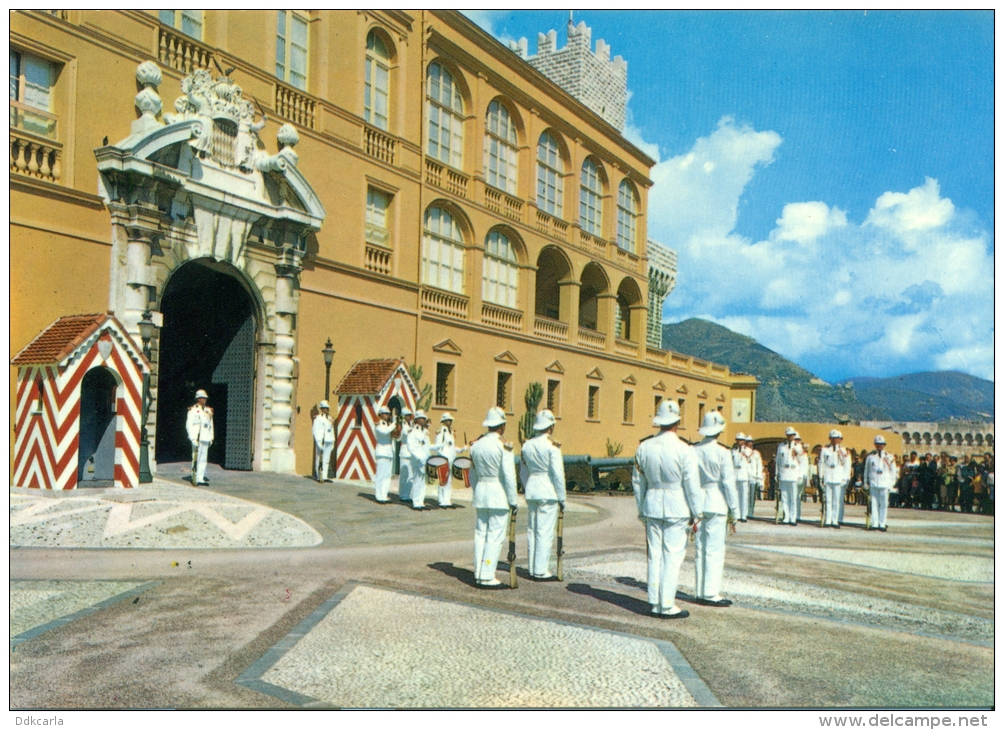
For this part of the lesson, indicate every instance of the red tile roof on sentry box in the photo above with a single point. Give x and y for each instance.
(367, 377)
(59, 339)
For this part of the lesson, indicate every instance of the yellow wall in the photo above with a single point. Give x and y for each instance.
(857, 438)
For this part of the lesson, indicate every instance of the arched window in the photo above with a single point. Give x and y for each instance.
(442, 252)
(550, 175)
(590, 199)
(446, 117)
(500, 148)
(501, 271)
(627, 216)
(375, 108)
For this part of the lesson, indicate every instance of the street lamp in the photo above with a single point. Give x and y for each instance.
(147, 329)
(329, 355)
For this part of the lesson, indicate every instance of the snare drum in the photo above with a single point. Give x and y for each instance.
(461, 469)
(438, 468)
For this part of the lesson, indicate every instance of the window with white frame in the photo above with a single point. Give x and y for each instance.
(500, 148)
(550, 175)
(442, 252)
(446, 117)
(31, 103)
(377, 229)
(291, 31)
(188, 22)
(591, 199)
(501, 271)
(627, 216)
(375, 109)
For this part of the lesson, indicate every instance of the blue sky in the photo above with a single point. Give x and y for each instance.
(826, 178)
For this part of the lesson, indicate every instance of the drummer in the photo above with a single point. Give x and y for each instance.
(446, 444)
(421, 450)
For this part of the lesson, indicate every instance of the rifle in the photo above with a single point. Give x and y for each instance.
(777, 503)
(822, 503)
(561, 551)
(512, 548)
(868, 509)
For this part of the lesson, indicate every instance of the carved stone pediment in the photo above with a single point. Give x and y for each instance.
(595, 374)
(630, 380)
(507, 358)
(659, 385)
(555, 367)
(447, 347)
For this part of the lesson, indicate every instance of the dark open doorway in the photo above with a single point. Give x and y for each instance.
(208, 342)
(96, 463)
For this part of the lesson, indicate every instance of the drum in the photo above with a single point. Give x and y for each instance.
(461, 469)
(438, 468)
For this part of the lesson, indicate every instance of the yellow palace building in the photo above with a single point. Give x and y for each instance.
(253, 183)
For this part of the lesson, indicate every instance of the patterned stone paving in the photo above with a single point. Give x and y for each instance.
(33, 604)
(382, 648)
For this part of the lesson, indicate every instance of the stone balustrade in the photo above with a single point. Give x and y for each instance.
(446, 178)
(503, 317)
(35, 157)
(295, 106)
(625, 347)
(503, 204)
(445, 303)
(550, 329)
(592, 338)
(378, 260)
(552, 226)
(379, 144)
(176, 50)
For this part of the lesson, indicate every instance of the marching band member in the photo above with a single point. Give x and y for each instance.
(789, 474)
(834, 474)
(199, 425)
(542, 471)
(446, 445)
(386, 432)
(880, 476)
(324, 441)
(742, 463)
(666, 486)
(404, 458)
(720, 506)
(420, 450)
(493, 473)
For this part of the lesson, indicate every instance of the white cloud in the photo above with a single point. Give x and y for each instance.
(908, 289)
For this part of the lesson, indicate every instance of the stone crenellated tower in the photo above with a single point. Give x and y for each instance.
(592, 78)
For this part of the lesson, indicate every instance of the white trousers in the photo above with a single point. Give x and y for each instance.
(709, 558)
(404, 479)
(880, 503)
(754, 489)
(789, 501)
(667, 544)
(744, 499)
(445, 494)
(417, 486)
(834, 492)
(381, 484)
(322, 460)
(489, 534)
(541, 519)
(199, 453)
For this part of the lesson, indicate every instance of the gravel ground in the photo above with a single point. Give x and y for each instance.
(948, 567)
(33, 603)
(749, 589)
(159, 515)
(380, 648)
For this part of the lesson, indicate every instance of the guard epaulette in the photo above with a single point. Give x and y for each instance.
(650, 436)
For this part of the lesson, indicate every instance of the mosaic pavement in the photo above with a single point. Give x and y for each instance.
(760, 591)
(157, 515)
(39, 605)
(371, 647)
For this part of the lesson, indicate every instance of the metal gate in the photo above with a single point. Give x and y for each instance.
(235, 373)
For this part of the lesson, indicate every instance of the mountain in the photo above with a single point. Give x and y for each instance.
(788, 392)
(935, 396)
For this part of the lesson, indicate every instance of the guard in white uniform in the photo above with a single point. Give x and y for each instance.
(420, 449)
(834, 474)
(324, 441)
(720, 506)
(742, 463)
(756, 477)
(404, 458)
(881, 474)
(199, 425)
(803, 460)
(789, 475)
(386, 432)
(667, 491)
(446, 445)
(542, 471)
(493, 472)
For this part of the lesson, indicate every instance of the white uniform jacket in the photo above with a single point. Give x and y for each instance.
(666, 481)
(493, 473)
(200, 424)
(834, 465)
(384, 440)
(742, 463)
(718, 481)
(419, 447)
(405, 430)
(803, 461)
(756, 470)
(789, 462)
(542, 470)
(446, 444)
(881, 471)
(324, 431)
